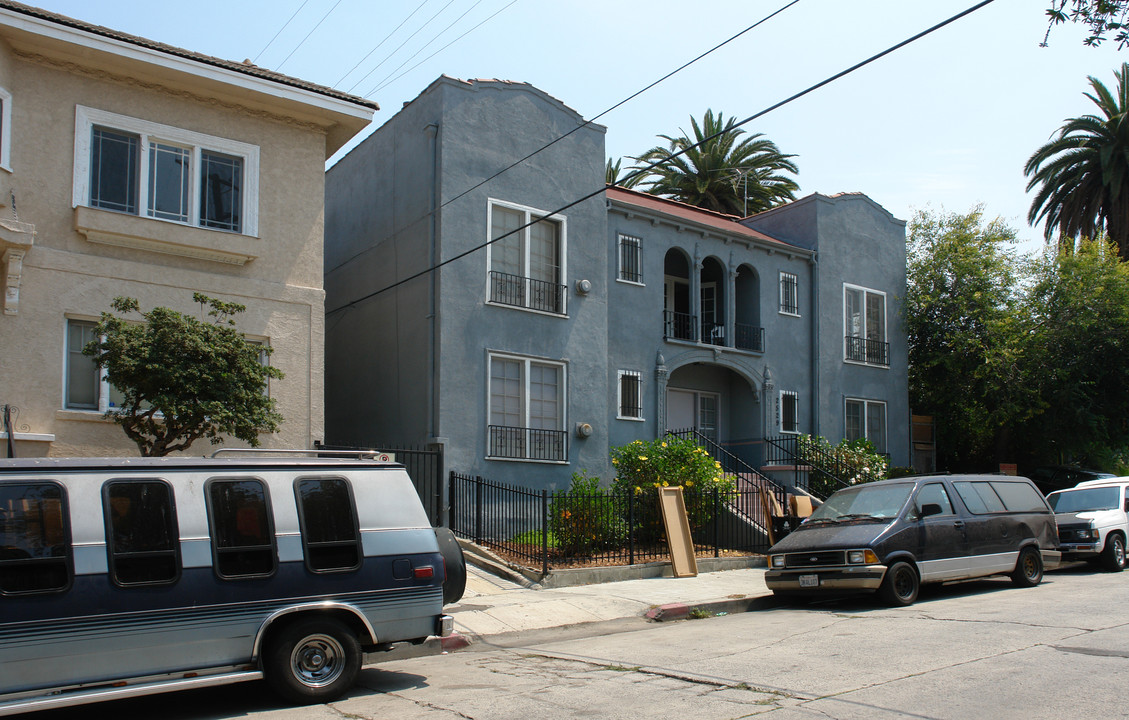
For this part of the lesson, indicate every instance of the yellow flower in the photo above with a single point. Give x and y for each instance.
(689, 483)
(664, 483)
(664, 444)
(643, 458)
(615, 462)
(655, 484)
(716, 464)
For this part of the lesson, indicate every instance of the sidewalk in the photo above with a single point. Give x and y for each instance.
(493, 605)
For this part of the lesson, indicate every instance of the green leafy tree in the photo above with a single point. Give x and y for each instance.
(1076, 338)
(612, 177)
(1101, 17)
(961, 320)
(720, 171)
(182, 378)
(1082, 173)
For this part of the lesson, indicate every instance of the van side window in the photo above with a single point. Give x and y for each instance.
(243, 542)
(934, 493)
(1019, 496)
(979, 497)
(35, 546)
(328, 520)
(141, 532)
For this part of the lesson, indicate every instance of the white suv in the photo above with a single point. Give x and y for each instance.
(1093, 521)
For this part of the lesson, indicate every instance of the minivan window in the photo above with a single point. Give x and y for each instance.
(935, 494)
(35, 549)
(874, 502)
(1019, 496)
(329, 524)
(1085, 499)
(979, 497)
(141, 532)
(243, 543)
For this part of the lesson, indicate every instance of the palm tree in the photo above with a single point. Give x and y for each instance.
(1083, 171)
(611, 175)
(716, 172)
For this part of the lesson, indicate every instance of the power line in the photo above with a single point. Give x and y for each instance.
(370, 52)
(389, 56)
(311, 32)
(588, 122)
(285, 25)
(380, 85)
(670, 157)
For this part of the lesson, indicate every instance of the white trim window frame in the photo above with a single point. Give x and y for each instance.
(528, 276)
(789, 412)
(85, 387)
(864, 320)
(527, 408)
(161, 152)
(860, 416)
(629, 251)
(789, 294)
(5, 130)
(629, 395)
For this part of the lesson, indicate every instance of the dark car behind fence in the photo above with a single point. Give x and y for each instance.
(563, 528)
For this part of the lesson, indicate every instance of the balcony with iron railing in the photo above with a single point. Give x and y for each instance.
(870, 352)
(520, 443)
(683, 326)
(523, 292)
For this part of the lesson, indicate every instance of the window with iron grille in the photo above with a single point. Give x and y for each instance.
(630, 395)
(789, 294)
(630, 259)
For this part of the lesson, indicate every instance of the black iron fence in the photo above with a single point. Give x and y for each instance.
(562, 528)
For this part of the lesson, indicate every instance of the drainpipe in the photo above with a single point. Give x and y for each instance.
(10, 430)
(815, 356)
(432, 131)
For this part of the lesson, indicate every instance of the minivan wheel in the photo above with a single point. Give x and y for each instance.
(314, 660)
(1113, 555)
(1029, 568)
(899, 587)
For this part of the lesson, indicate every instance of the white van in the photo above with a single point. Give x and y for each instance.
(123, 577)
(1093, 521)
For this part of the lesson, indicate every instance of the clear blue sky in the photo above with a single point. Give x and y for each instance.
(945, 123)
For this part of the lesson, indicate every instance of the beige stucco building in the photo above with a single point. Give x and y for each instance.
(128, 167)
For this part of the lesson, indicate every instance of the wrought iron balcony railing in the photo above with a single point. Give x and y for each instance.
(528, 443)
(679, 326)
(524, 292)
(871, 352)
(749, 337)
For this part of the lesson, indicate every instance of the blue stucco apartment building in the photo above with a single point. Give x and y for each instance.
(613, 319)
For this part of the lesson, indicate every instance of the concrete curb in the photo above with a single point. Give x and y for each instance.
(712, 608)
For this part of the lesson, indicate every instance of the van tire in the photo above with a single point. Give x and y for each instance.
(1113, 554)
(454, 582)
(900, 586)
(1028, 568)
(314, 660)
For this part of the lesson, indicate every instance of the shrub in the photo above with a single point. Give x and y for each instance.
(642, 468)
(583, 520)
(853, 461)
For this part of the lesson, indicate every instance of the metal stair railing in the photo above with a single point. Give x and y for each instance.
(732, 464)
(814, 459)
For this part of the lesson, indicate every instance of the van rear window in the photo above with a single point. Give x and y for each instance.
(243, 542)
(996, 496)
(1019, 496)
(329, 524)
(35, 548)
(141, 532)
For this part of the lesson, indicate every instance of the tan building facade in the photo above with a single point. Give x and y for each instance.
(131, 168)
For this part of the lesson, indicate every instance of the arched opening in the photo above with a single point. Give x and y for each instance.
(747, 329)
(678, 319)
(719, 403)
(713, 302)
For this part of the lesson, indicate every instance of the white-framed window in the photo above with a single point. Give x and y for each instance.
(630, 395)
(789, 294)
(789, 412)
(527, 264)
(84, 385)
(866, 419)
(5, 130)
(864, 323)
(630, 259)
(147, 169)
(527, 408)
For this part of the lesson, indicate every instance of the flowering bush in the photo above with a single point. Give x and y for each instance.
(644, 467)
(854, 461)
(582, 521)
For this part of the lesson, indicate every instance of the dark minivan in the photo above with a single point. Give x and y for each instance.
(892, 536)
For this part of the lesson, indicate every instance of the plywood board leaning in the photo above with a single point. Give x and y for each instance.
(678, 538)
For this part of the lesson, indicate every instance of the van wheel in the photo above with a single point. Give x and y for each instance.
(899, 587)
(1113, 555)
(1029, 568)
(314, 660)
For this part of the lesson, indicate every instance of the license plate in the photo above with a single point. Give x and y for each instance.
(809, 581)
